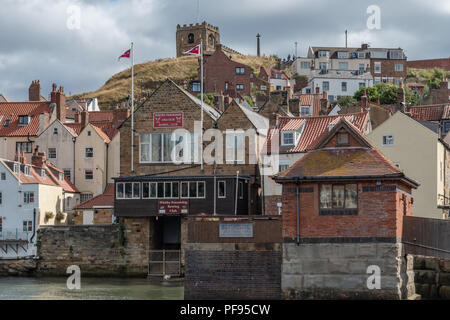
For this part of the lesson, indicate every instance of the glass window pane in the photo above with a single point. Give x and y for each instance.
(120, 190)
(230, 147)
(174, 189)
(145, 152)
(167, 190)
(240, 147)
(351, 196)
(136, 190)
(184, 190)
(168, 146)
(145, 138)
(338, 196)
(153, 190)
(128, 190)
(160, 189)
(325, 196)
(222, 189)
(145, 190)
(192, 189)
(156, 147)
(201, 189)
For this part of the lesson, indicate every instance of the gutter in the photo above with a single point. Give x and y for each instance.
(34, 225)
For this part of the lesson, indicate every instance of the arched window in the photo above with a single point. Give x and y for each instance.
(191, 38)
(211, 40)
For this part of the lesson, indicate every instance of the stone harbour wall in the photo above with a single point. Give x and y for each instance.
(428, 277)
(99, 250)
(339, 270)
(17, 267)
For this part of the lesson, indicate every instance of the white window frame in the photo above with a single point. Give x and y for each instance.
(51, 153)
(342, 54)
(189, 189)
(399, 67)
(283, 137)
(389, 137)
(133, 196)
(27, 195)
(27, 170)
(344, 84)
(224, 189)
(86, 153)
(16, 168)
(375, 65)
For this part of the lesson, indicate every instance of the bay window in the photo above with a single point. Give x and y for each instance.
(161, 147)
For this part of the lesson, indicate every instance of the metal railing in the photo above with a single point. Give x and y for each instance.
(13, 234)
(164, 262)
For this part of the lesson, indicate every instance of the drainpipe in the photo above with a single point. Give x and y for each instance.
(107, 160)
(298, 213)
(215, 192)
(237, 192)
(34, 225)
(74, 168)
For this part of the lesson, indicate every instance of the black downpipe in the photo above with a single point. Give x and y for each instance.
(34, 225)
(107, 160)
(298, 213)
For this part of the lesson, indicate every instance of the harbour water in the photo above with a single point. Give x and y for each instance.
(91, 289)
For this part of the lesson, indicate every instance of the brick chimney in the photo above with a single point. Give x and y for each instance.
(84, 118)
(38, 159)
(59, 98)
(34, 91)
(317, 90)
(221, 102)
(364, 100)
(324, 103)
(77, 117)
(401, 99)
(365, 46)
(22, 158)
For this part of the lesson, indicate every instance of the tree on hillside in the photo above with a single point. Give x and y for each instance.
(372, 94)
(387, 93)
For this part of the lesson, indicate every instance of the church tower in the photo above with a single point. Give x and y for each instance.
(188, 36)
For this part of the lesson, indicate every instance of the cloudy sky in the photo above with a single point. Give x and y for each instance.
(40, 39)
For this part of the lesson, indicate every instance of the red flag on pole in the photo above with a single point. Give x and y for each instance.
(126, 54)
(195, 50)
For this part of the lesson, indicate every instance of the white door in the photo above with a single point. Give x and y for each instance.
(88, 217)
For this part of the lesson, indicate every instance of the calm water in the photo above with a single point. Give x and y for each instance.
(91, 289)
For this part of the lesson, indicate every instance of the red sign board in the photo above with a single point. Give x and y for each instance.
(168, 119)
(173, 207)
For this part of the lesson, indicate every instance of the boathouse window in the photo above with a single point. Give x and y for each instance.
(338, 196)
(235, 151)
(158, 147)
(192, 189)
(128, 190)
(222, 187)
(160, 190)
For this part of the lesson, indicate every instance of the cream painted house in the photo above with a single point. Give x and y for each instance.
(97, 161)
(415, 148)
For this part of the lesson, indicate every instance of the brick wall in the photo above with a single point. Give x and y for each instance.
(227, 273)
(388, 68)
(219, 68)
(379, 213)
(271, 204)
(101, 216)
(430, 64)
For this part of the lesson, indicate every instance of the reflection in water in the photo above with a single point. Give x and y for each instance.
(91, 289)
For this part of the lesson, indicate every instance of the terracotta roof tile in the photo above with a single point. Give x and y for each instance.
(12, 110)
(428, 113)
(103, 200)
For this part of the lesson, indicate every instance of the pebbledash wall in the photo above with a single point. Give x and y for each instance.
(233, 268)
(99, 250)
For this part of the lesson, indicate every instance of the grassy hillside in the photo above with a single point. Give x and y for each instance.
(149, 74)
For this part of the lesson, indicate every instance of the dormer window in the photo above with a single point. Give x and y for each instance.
(27, 170)
(342, 139)
(288, 138)
(24, 120)
(6, 124)
(43, 174)
(323, 53)
(16, 168)
(342, 55)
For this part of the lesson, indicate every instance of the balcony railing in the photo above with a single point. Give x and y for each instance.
(13, 234)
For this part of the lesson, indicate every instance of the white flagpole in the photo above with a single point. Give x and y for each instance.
(201, 84)
(132, 107)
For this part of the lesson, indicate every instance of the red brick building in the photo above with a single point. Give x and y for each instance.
(347, 188)
(220, 71)
(343, 205)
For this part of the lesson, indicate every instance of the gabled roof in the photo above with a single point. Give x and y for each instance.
(69, 129)
(272, 72)
(12, 110)
(3, 98)
(314, 128)
(103, 200)
(65, 183)
(360, 161)
(258, 121)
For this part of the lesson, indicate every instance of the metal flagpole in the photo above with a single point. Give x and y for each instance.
(201, 84)
(132, 107)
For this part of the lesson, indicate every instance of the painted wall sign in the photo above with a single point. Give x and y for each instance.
(236, 230)
(168, 119)
(173, 206)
